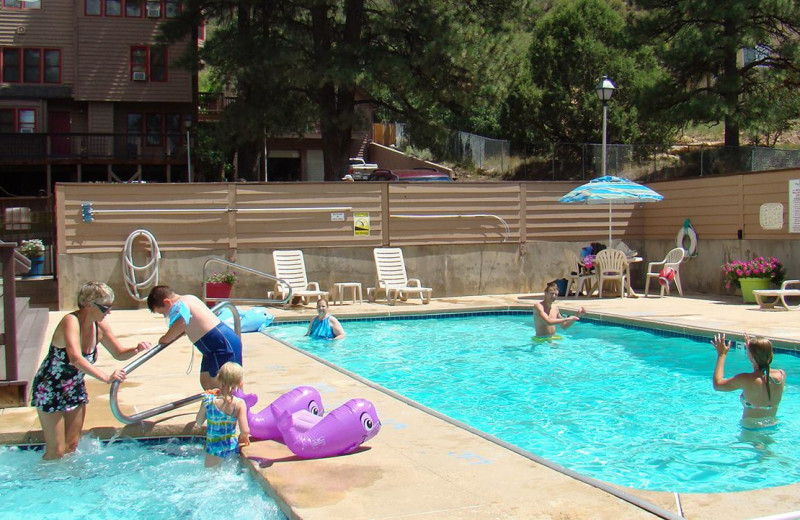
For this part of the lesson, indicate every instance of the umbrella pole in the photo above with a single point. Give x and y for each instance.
(609, 225)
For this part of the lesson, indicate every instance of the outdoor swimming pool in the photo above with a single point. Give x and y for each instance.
(131, 480)
(627, 406)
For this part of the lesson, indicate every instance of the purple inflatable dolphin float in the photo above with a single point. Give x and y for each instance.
(263, 424)
(338, 433)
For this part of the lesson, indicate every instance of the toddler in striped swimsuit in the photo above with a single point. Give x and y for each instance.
(224, 412)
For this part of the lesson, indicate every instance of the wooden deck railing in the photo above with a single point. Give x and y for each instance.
(9, 333)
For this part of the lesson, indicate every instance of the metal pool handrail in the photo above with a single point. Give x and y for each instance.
(141, 360)
(218, 260)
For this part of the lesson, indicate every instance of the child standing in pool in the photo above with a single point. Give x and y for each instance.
(188, 314)
(224, 412)
(762, 389)
(324, 325)
(547, 315)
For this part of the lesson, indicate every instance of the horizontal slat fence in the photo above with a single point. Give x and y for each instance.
(296, 215)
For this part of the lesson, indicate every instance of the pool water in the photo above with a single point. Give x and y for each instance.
(130, 480)
(627, 406)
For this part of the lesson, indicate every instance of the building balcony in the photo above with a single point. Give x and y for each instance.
(72, 148)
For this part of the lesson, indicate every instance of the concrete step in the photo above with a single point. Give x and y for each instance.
(41, 290)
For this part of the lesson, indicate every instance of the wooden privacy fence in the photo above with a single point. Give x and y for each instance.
(212, 216)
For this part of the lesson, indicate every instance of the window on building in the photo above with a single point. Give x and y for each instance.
(27, 120)
(113, 7)
(149, 63)
(32, 65)
(92, 8)
(172, 8)
(134, 134)
(172, 132)
(52, 66)
(139, 63)
(21, 4)
(17, 120)
(201, 31)
(133, 8)
(757, 53)
(7, 121)
(153, 126)
(12, 64)
(153, 8)
(158, 63)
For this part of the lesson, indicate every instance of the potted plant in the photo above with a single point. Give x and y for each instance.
(753, 274)
(218, 286)
(34, 250)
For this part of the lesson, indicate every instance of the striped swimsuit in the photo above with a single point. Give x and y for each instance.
(221, 439)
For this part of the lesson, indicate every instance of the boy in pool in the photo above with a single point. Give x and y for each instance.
(188, 314)
(546, 314)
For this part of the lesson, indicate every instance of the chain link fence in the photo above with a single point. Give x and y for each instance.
(469, 150)
(583, 161)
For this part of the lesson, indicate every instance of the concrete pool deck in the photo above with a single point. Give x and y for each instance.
(419, 466)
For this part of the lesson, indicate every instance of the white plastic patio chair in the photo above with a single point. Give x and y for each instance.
(392, 278)
(577, 274)
(611, 265)
(673, 259)
(290, 267)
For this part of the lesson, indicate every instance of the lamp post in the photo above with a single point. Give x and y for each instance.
(188, 125)
(605, 89)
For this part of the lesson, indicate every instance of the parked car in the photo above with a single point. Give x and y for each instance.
(359, 169)
(416, 174)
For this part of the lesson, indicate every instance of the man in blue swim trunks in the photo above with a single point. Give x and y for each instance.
(188, 314)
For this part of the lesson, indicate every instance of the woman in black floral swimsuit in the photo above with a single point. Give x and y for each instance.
(59, 391)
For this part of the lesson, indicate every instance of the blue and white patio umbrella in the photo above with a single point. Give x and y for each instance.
(611, 190)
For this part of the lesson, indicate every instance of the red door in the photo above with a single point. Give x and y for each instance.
(60, 123)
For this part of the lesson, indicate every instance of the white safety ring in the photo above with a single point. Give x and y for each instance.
(687, 233)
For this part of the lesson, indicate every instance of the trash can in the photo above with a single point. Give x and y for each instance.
(562, 286)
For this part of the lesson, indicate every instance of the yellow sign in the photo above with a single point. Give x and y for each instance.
(361, 224)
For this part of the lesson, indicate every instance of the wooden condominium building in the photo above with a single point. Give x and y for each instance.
(87, 95)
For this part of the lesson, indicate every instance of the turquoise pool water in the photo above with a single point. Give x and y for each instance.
(128, 480)
(626, 406)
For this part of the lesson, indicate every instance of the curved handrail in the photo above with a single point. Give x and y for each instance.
(463, 215)
(147, 356)
(216, 259)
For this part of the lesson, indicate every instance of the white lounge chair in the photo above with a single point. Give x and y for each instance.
(779, 295)
(673, 260)
(290, 266)
(392, 279)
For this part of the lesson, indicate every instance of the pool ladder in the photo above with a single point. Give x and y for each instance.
(144, 358)
(147, 356)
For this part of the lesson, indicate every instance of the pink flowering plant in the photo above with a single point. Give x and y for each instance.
(759, 267)
(228, 277)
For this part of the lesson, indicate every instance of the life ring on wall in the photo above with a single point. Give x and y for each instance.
(687, 238)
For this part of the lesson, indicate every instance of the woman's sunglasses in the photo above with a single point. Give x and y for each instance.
(103, 308)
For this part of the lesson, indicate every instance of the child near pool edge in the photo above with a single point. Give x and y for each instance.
(762, 388)
(224, 412)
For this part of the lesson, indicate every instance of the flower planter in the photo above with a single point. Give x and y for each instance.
(217, 290)
(37, 263)
(751, 284)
